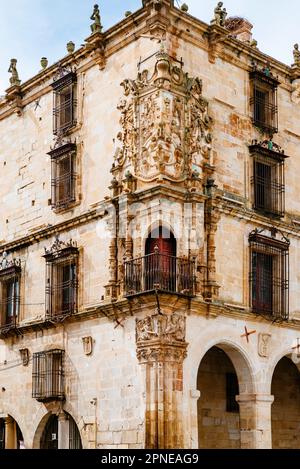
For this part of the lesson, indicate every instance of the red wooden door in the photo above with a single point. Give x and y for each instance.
(160, 265)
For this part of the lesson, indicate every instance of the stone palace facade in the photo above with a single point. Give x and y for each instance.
(150, 240)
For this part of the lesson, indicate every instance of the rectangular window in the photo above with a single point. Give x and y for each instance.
(62, 284)
(268, 185)
(269, 283)
(232, 390)
(48, 375)
(264, 100)
(10, 294)
(65, 103)
(63, 176)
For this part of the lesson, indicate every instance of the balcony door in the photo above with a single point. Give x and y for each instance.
(160, 265)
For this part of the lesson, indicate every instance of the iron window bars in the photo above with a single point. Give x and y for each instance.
(10, 277)
(64, 101)
(263, 100)
(63, 176)
(269, 275)
(61, 280)
(48, 375)
(268, 180)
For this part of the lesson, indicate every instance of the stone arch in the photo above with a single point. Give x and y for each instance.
(239, 357)
(284, 385)
(287, 352)
(43, 422)
(10, 412)
(153, 227)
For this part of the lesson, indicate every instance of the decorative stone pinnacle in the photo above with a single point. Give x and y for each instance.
(96, 27)
(44, 62)
(184, 7)
(14, 79)
(128, 13)
(220, 15)
(70, 47)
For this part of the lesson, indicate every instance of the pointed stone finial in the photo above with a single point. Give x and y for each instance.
(296, 54)
(220, 15)
(44, 62)
(70, 47)
(14, 79)
(96, 27)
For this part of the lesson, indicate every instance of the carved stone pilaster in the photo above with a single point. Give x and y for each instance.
(161, 349)
(111, 290)
(212, 218)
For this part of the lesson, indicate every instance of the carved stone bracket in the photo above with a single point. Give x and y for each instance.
(216, 37)
(14, 99)
(96, 45)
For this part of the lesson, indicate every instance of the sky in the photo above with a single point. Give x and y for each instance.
(31, 29)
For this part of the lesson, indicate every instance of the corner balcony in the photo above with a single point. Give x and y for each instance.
(160, 272)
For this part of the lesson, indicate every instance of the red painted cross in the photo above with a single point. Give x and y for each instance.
(247, 334)
(297, 347)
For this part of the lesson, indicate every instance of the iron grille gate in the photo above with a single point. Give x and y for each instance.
(48, 375)
(269, 276)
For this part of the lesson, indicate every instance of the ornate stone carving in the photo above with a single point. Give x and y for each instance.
(14, 79)
(59, 246)
(7, 263)
(24, 352)
(161, 337)
(96, 27)
(264, 345)
(87, 345)
(220, 15)
(168, 328)
(165, 126)
(296, 54)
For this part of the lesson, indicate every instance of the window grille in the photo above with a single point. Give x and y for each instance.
(65, 102)
(269, 276)
(63, 176)
(263, 100)
(61, 280)
(48, 375)
(10, 277)
(268, 181)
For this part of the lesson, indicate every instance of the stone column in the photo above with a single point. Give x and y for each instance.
(10, 433)
(194, 397)
(63, 431)
(161, 349)
(255, 420)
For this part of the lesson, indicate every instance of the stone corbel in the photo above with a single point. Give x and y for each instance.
(216, 37)
(96, 45)
(14, 99)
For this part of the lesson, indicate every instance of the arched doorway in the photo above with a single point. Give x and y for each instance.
(218, 410)
(286, 405)
(11, 436)
(162, 239)
(50, 435)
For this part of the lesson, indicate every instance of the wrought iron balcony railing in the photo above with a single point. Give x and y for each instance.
(160, 272)
(9, 325)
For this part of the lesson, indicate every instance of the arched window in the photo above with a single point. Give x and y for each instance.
(163, 239)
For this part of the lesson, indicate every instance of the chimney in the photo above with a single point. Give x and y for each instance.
(240, 28)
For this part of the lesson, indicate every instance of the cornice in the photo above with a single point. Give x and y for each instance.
(129, 29)
(51, 230)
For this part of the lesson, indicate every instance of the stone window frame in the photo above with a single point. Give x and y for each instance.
(11, 272)
(48, 375)
(64, 101)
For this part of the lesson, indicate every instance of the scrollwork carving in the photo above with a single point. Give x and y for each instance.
(165, 127)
